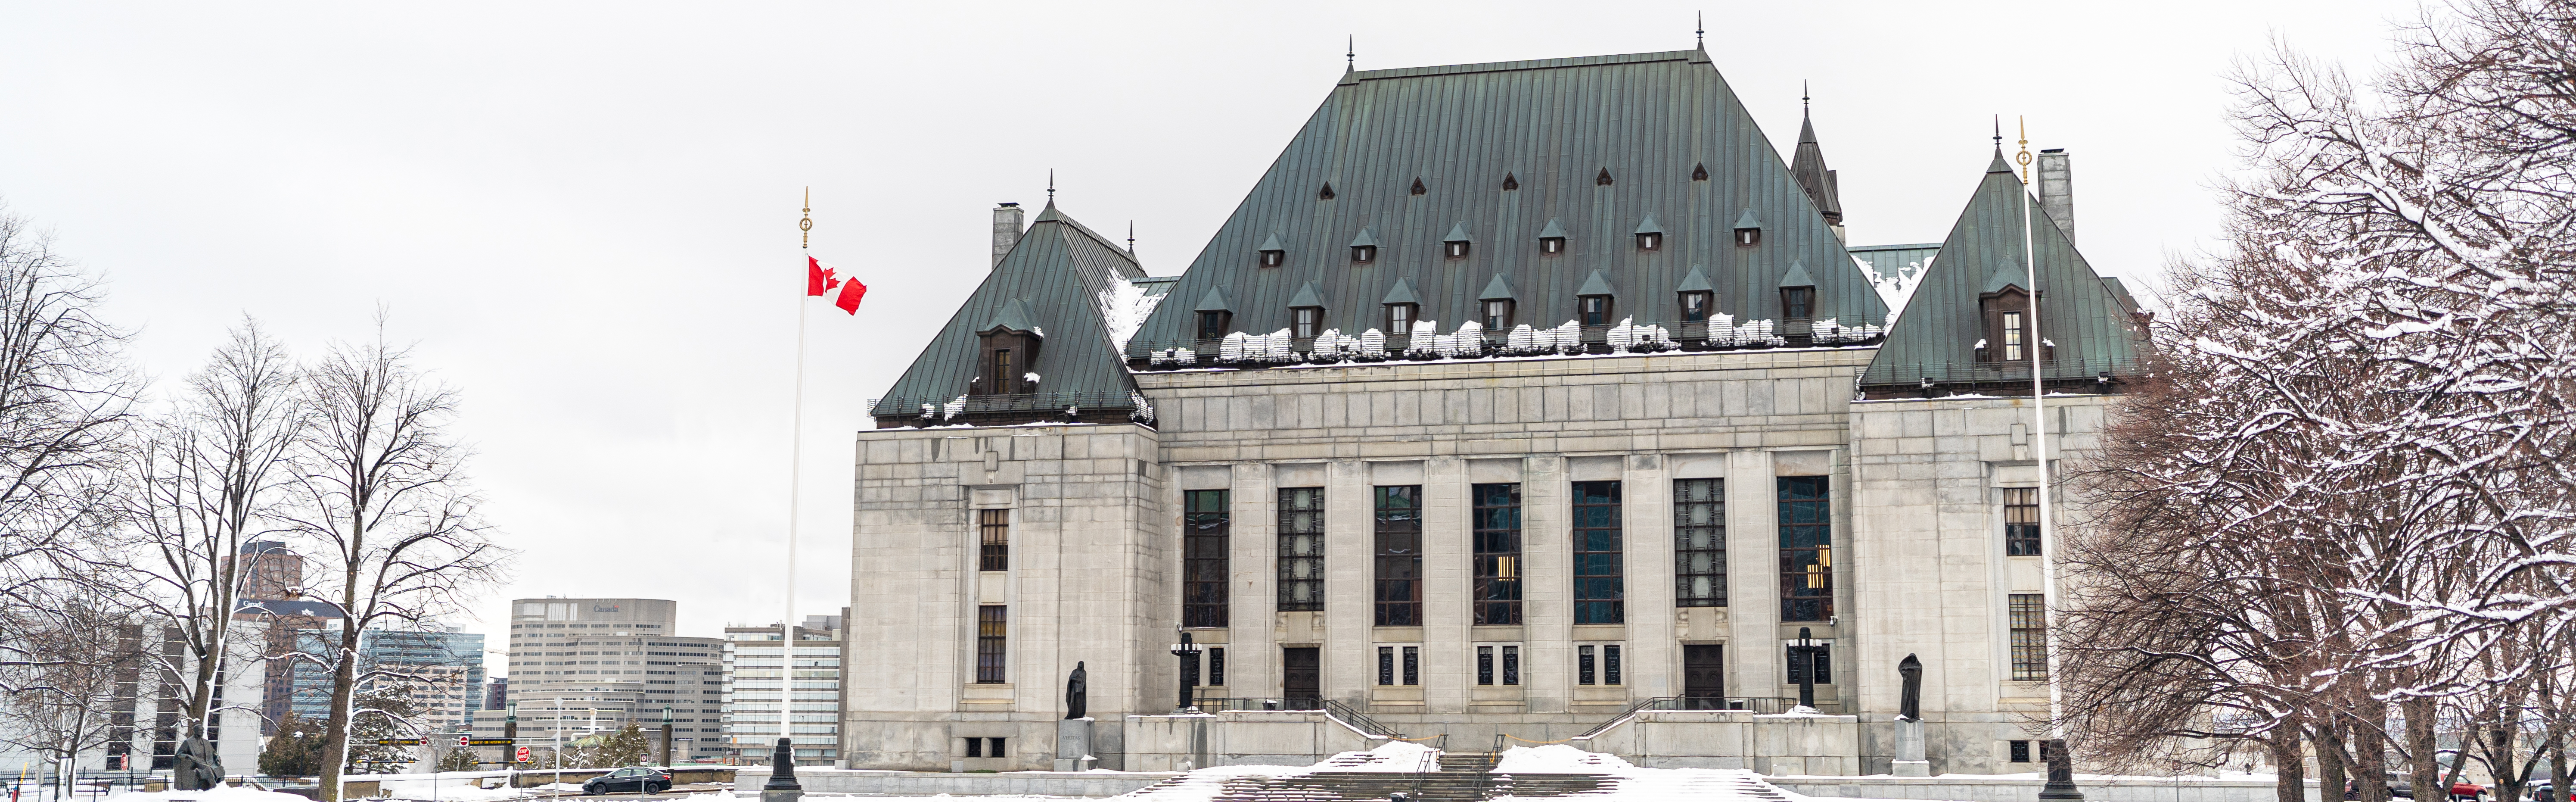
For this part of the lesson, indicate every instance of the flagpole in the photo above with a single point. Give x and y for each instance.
(2057, 788)
(795, 471)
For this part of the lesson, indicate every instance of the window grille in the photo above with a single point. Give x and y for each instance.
(2029, 637)
(1797, 303)
(1386, 665)
(1301, 548)
(1308, 321)
(1584, 670)
(1205, 542)
(1498, 554)
(1806, 549)
(1511, 665)
(1820, 661)
(1498, 315)
(2021, 521)
(1610, 665)
(1699, 542)
(1599, 588)
(1216, 665)
(992, 636)
(1413, 665)
(1399, 556)
(1484, 665)
(995, 525)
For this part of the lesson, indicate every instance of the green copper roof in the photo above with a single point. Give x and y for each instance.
(1272, 244)
(1401, 293)
(1797, 276)
(1748, 220)
(1598, 284)
(2008, 273)
(1366, 238)
(1936, 337)
(1214, 301)
(1552, 231)
(1499, 289)
(1457, 233)
(1695, 281)
(1307, 295)
(1051, 283)
(1648, 119)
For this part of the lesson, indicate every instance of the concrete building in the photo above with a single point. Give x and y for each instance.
(437, 669)
(1514, 399)
(753, 677)
(579, 667)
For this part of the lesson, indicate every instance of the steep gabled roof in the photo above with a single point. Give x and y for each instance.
(1648, 119)
(1936, 338)
(1051, 282)
(1808, 166)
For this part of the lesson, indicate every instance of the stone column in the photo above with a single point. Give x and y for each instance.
(1349, 545)
(1547, 608)
(1753, 656)
(1448, 579)
(1647, 521)
(1252, 651)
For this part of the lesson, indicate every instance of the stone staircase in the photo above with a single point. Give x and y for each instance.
(1463, 777)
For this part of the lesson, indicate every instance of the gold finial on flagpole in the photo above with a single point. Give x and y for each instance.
(806, 226)
(2024, 157)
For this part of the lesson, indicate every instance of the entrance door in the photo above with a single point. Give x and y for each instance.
(1703, 676)
(1302, 681)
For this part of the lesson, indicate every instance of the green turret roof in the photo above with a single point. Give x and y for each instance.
(1051, 283)
(1937, 336)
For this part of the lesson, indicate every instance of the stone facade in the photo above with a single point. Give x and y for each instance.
(1094, 552)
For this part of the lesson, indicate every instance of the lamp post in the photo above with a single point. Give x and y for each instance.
(1189, 658)
(666, 735)
(1802, 661)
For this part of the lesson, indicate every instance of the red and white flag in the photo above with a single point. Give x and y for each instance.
(819, 282)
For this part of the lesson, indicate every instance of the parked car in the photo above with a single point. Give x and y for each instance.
(639, 779)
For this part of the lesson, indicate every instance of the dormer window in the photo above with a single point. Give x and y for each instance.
(1551, 245)
(2013, 333)
(1455, 250)
(1748, 236)
(1212, 324)
(1273, 258)
(1593, 310)
(1363, 254)
(1306, 322)
(1797, 303)
(1498, 315)
(1695, 306)
(1399, 318)
(2007, 314)
(1650, 241)
(1006, 371)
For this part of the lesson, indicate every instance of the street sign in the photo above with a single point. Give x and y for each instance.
(397, 742)
(491, 742)
(464, 740)
(523, 755)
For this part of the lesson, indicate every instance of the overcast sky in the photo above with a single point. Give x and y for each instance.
(584, 214)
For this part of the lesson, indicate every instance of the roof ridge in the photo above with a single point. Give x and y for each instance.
(1530, 64)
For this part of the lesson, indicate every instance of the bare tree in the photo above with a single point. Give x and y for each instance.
(86, 663)
(205, 480)
(382, 490)
(66, 399)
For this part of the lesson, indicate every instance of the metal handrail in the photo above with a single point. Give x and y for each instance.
(1430, 762)
(1348, 716)
(1758, 705)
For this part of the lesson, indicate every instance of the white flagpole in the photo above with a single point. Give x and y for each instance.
(795, 470)
(2039, 446)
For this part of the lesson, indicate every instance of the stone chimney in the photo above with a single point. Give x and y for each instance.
(2057, 190)
(1008, 222)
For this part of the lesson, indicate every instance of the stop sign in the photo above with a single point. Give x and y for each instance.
(523, 754)
(464, 740)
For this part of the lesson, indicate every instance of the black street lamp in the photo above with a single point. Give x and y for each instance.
(1189, 658)
(1802, 662)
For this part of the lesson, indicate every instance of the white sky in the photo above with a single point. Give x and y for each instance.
(584, 214)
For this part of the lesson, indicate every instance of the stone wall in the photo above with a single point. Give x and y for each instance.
(1238, 738)
(1734, 739)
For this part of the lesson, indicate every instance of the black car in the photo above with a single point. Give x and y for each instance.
(640, 779)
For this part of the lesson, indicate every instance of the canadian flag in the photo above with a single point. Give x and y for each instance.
(819, 282)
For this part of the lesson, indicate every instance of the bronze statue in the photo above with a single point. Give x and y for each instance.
(196, 768)
(1910, 706)
(1077, 692)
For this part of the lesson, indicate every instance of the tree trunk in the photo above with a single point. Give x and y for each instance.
(2369, 739)
(2424, 766)
(2291, 784)
(2331, 777)
(335, 744)
(2558, 778)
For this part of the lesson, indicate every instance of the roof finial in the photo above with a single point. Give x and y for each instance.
(1699, 30)
(1051, 177)
(1802, 95)
(1999, 135)
(1131, 238)
(2024, 157)
(1351, 54)
(805, 227)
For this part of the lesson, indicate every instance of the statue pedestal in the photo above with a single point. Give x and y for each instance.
(1909, 751)
(1073, 745)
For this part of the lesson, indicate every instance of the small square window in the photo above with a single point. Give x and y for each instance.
(1456, 250)
(1273, 258)
(1551, 245)
(2020, 751)
(1212, 324)
(1649, 241)
(1498, 315)
(1695, 307)
(1309, 321)
(1399, 319)
(1595, 310)
(1748, 236)
(1797, 302)
(1363, 254)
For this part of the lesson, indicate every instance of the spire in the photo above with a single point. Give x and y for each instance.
(1051, 185)
(1699, 30)
(1131, 238)
(1807, 167)
(1351, 54)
